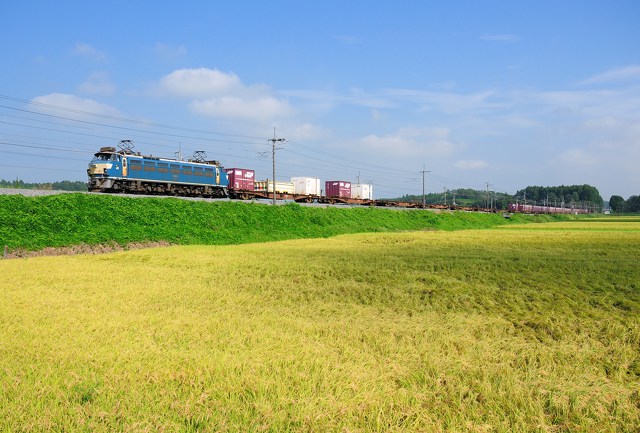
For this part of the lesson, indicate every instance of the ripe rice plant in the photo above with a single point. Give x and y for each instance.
(516, 329)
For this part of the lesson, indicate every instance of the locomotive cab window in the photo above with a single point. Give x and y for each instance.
(105, 157)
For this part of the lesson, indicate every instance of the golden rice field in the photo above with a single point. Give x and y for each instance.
(532, 328)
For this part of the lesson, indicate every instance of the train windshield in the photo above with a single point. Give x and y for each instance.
(104, 157)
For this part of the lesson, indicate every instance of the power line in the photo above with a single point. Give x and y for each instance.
(121, 119)
(385, 177)
(70, 119)
(41, 147)
(36, 168)
(314, 159)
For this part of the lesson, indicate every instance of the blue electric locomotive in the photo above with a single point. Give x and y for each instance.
(124, 171)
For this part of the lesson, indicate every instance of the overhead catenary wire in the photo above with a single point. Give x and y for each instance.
(239, 149)
(361, 163)
(122, 119)
(70, 119)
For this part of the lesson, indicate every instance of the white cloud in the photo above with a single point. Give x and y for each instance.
(200, 83)
(470, 164)
(86, 50)
(264, 108)
(327, 100)
(308, 131)
(567, 136)
(97, 84)
(446, 102)
(411, 142)
(614, 75)
(222, 95)
(73, 106)
(591, 104)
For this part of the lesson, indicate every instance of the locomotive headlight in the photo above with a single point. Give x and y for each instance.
(99, 168)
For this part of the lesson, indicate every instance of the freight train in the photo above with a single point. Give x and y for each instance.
(124, 171)
(534, 209)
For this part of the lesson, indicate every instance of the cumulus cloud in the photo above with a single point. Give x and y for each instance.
(73, 105)
(223, 95)
(200, 83)
(97, 83)
(470, 164)
(86, 50)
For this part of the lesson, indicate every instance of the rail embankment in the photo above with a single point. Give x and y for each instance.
(64, 220)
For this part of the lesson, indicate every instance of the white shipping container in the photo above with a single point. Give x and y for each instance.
(306, 185)
(362, 191)
(281, 187)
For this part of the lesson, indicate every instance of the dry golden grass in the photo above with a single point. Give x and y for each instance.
(503, 330)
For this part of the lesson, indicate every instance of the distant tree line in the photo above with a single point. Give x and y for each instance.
(64, 185)
(462, 197)
(574, 196)
(620, 205)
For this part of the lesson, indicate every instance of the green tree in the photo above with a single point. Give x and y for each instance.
(632, 204)
(616, 203)
(575, 197)
(572, 195)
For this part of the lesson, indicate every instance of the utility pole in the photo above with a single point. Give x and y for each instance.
(273, 141)
(424, 203)
(486, 203)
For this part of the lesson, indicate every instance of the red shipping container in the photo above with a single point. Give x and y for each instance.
(337, 188)
(241, 179)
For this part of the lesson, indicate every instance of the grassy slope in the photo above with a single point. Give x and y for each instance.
(531, 328)
(70, 219)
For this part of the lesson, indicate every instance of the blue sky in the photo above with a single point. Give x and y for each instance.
(510, 93)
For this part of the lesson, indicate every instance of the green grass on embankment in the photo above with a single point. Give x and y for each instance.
(33, 223)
